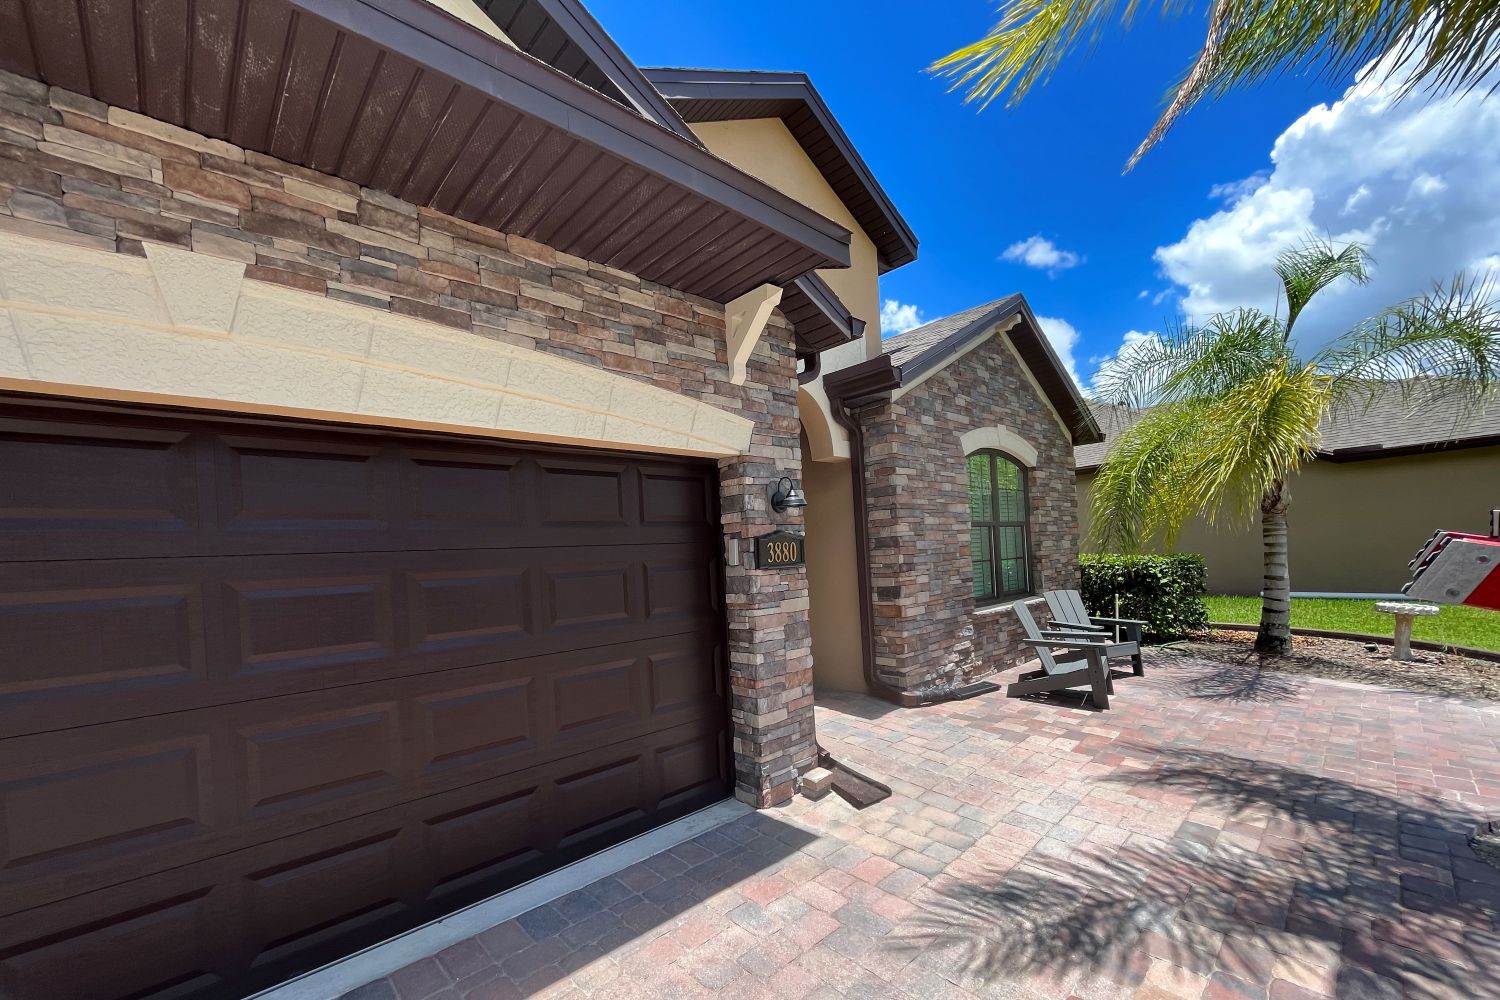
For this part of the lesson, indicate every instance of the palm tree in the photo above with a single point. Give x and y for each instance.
(1229, 411)
(1448, 47)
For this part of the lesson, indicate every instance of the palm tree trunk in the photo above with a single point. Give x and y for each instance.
(1275, 635)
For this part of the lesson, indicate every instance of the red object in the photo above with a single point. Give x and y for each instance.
(1456, 567)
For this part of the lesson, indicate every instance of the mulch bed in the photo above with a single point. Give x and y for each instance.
(1341, 659)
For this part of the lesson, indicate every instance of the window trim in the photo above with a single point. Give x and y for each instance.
(994, 524)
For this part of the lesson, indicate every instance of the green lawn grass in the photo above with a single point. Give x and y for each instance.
(1454, 625)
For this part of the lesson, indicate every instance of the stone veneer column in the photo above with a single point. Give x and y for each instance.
(770, 642)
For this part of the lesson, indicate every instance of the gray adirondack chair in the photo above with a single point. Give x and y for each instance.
(1084, 662)
(1067, 612)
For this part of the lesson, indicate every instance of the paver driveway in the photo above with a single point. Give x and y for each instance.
(1220, 833)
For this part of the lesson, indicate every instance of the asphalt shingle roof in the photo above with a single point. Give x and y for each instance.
(1388, 422)
(905, 348)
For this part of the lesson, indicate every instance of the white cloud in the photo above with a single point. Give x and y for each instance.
(1232, 191)
(1128, 343)
(897, 317)
(1041, 253)
(1063, 336)
(1418, 181)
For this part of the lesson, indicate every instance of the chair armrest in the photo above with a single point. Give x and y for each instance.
(1067, 643)
(1053, 633)
(1077, 626)
(1119, 621)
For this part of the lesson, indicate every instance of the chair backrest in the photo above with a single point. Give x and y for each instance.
(1057, 606)
(1069, 606)
(1029, 628)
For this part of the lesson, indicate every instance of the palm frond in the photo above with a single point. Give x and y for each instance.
(1314, 264)
(1444, 48)
(1442, 345)
(1194, 362)
(1026, 45)
(1211, 456)
(1140, 490)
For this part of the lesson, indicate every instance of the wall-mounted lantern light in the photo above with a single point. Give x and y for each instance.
(786, 495)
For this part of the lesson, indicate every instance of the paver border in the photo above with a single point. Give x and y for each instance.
(380, 960)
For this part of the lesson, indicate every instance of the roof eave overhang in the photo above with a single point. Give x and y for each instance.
(1036, 353)
(895, 243)
(819, 318)
(400, 96)
(868, 382)
(603, 54)
(1370, 453)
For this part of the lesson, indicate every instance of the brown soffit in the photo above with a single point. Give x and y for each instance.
(565, 36)
(818, 317)
(1037, 354)
(400, 96)
(703, 95)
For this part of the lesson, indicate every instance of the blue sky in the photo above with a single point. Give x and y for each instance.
(973, 184)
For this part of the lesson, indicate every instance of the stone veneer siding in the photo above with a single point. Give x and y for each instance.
(927, 634)
(77, 171)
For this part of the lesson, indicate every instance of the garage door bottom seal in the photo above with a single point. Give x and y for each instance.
(382, 959)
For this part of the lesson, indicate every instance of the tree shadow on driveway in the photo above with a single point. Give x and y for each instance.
(1343, 890)
(1239, 681)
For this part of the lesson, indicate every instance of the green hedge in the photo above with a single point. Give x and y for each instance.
(1164, 591)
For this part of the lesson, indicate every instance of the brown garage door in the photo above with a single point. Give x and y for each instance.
(271, 693)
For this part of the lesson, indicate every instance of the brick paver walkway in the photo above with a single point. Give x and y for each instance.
(1218, 834)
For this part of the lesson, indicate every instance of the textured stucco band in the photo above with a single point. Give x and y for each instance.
(185, 326)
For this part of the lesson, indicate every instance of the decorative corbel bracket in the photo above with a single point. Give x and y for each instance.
(744, 322)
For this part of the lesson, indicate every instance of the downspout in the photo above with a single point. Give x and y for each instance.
(848, 389)
(845, 419)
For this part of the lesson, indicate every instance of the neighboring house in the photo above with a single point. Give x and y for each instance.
(392, 393)
(968, 425)
(1386, 477)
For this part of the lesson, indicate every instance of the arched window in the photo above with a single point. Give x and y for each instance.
(1000, 542)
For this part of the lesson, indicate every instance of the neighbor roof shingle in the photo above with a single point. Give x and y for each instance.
(1388, 423)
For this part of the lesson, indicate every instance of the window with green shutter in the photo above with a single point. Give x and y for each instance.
(999, 537)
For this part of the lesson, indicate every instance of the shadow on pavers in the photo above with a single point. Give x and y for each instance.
(1332, 868)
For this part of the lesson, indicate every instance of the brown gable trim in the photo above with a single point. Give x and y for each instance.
(820, 319)
(730, 95)
(1036, 353)
(564, 35)
(400, 96)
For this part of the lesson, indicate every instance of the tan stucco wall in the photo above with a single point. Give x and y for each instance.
(765, 148)
(1353, 525)
(832, 575)
(469, 12)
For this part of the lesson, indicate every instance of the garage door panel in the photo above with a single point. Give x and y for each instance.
(266, 768)
(670, 495)
(583, 492)
(94, 642)
(309, 622)
(96, 807)
(147, 487)
(283, 486)
(248, 918)
(105, 639)
(96, 478)
(159, 945)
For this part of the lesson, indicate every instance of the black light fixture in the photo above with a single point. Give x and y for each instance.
(786, 495)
